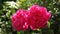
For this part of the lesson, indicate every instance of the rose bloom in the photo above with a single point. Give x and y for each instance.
(37, 17)
(19, 20)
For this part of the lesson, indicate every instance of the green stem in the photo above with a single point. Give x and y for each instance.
(18, 32)
(40, 31)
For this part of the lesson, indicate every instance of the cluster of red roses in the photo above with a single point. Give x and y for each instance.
(36, 17)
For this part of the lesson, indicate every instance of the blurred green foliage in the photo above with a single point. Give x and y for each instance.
(9, 7)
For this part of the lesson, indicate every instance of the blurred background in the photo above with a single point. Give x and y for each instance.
(9, 7)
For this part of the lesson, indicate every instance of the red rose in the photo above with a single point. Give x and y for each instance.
(19, 19)
(37, 17)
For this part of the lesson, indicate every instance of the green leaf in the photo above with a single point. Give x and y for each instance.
(48, 24)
